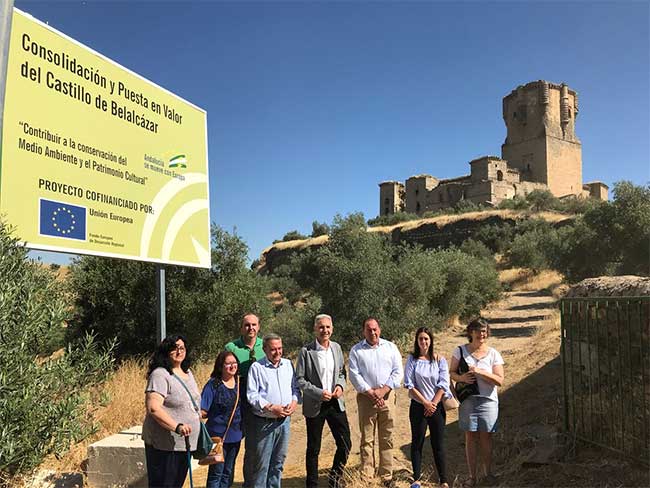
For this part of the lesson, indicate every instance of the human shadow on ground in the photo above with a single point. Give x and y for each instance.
(535, 306)
(511, 320)
(518, 331)
(538, 293)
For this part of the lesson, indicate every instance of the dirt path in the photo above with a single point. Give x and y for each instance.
(516, 321)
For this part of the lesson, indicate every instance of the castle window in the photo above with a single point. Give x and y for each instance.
(417, 191)
(386, 201)
(417, 207)
(499, 175)
(386, 211)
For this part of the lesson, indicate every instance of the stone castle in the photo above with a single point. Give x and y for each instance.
(541, 151)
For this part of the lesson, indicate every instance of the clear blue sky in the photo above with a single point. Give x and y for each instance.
(311, 104)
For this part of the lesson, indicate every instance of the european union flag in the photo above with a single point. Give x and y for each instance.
(62, 220)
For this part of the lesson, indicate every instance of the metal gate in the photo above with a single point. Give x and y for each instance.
(606, 372)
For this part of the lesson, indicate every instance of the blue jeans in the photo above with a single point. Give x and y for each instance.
(270, 438)
(221, 475)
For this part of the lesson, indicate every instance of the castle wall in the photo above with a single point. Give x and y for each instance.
(529, 157)
(417, 189)
(564, 167)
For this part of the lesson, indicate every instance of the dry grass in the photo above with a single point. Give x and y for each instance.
(118, 405)
(524, 279)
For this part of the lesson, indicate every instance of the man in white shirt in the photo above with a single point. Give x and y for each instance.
(375, 370)
(320, 371)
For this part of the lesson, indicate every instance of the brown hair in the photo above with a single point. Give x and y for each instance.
(477, 324)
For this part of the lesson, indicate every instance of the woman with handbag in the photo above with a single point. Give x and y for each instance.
(426, 376)
(477, 363)
(170, 414)
(221, 404)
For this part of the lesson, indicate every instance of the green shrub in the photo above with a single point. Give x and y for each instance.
(609, 238)
(319, 229)
(392, 219)
(292, 235)
(360, 274)
(294, 323)
(476, 249)
(117, 298)
(42, 405)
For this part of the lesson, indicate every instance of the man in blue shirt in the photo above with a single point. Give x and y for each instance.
(375, 370)
(273, 395)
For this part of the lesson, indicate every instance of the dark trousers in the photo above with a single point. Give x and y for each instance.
(436, 424)
(337, 420)
(165, 469)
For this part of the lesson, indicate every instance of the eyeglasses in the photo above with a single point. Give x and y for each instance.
(178, 349)
(230, 365)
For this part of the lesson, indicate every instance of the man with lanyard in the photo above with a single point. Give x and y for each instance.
(375, 370)
(320, 371)
(247, 349)
(273, 395)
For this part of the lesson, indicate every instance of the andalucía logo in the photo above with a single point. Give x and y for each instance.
(59, 219)
(179, 161)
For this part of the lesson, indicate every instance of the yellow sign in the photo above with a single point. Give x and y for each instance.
(98, 160)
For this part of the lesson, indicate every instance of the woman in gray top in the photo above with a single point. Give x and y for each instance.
(171, 415)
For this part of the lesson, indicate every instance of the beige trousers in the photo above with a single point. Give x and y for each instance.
(373, 419)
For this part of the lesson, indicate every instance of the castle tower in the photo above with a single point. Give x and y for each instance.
(541, 141)
(391, 197)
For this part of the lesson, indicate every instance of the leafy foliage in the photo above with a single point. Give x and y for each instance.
(319, 228)
(360, 274)
(392, 219)
(117, 298)
(42, 409)
(292, 235)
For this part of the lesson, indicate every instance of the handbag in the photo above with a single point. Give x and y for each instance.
(464, 390)
(215, 456)
(204, 442)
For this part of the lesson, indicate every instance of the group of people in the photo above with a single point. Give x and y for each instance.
(253, 391)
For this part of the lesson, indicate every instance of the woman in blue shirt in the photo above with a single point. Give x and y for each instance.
(218, 401)
(427, 378)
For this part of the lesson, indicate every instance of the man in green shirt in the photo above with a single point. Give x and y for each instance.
(247, 349)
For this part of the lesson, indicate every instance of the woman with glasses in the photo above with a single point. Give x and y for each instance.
(170, 399)
(478, 414)
(221, 405)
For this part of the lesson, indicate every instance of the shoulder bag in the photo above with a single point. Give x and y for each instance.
(215, 456)
(204, 443)
(464, 390)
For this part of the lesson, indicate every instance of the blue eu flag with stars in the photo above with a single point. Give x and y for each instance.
(62, 220)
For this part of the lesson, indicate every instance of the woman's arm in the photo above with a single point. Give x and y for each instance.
(495, 376)
(154, 405)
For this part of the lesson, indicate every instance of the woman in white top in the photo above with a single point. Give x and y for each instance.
(478, 414)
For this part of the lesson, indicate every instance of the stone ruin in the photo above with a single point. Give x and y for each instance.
(541, 152)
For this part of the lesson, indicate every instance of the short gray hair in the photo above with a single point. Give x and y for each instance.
(270, 337)
(322, 316)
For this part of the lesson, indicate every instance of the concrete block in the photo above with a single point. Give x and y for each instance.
(119, 461)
